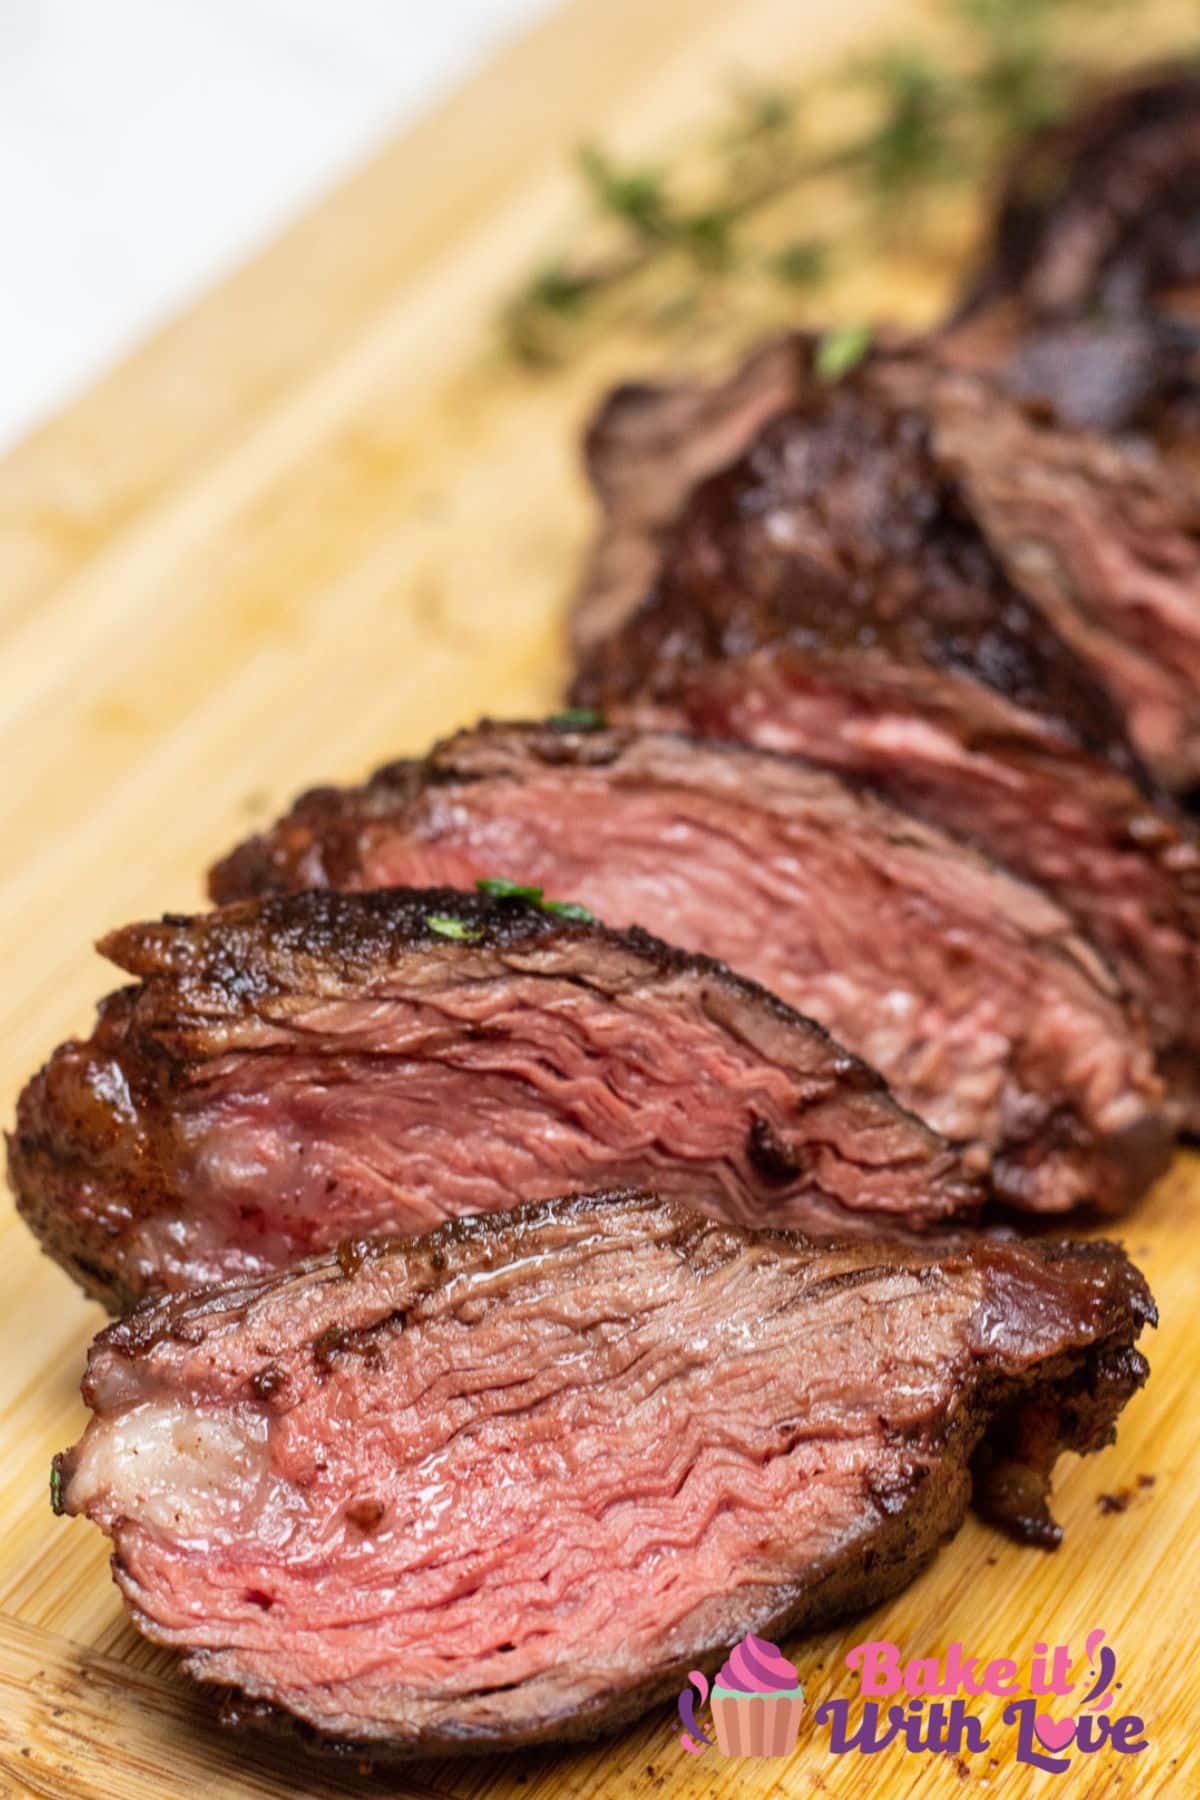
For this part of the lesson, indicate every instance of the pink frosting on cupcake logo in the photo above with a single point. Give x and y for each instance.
(756, 1703)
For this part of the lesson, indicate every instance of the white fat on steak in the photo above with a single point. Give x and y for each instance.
(170, 1467)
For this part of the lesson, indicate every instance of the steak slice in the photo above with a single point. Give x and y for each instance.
(971, 992)
(1134, 377)
(1101, 211)
(510, 1482)
(646, 449)
(1107, 540)
(1089, 293)
(1089, 305)
(831, 595)
(288, 1074)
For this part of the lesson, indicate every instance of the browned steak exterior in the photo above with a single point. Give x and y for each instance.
(832, 596)
(1133, 377)
(291, 1073)
(1101, 211)
(1106, 538)
(1089, 297)
(971, 992)
(1089, 306)
(647, 448)
(840, 528)
(535, 1467)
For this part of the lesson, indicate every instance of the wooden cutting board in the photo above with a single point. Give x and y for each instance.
(316, 521)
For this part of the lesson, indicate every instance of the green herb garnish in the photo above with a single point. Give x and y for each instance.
(452, 928)
(635, 196)
(501, 889)
(842, 350)
(576, 718)
(558, 290)
(914, 141)
(56, 1489)
(569, 909)
(932, 113)
(801, 264)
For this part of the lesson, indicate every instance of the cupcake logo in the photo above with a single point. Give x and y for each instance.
(756, 1702)
(948, 1705)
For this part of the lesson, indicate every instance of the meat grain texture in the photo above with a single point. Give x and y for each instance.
(1105, 536)
(510, 1482)
(286, 1074)
(971, 992)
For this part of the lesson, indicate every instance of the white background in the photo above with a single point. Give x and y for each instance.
(148, 145)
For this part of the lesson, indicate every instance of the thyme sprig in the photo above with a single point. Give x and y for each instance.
(654, 226)
(935, 118)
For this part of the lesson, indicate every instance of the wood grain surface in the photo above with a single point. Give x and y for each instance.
(315, 522)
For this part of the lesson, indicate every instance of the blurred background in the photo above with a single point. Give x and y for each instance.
(149, 145)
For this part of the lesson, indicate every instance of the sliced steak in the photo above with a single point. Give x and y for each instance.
(647, 448)
(1133, 378)
(1104, 537)
(1089, 306)
(510, 1482)
(1089, 294)
(1101, 211)
(291, 1073)
(1107, 540)
(831, 595)
(971, 992)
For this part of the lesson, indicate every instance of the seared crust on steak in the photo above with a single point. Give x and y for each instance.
(1103, 538)
(646, 449)
(1088, 298)
(1098, 213)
